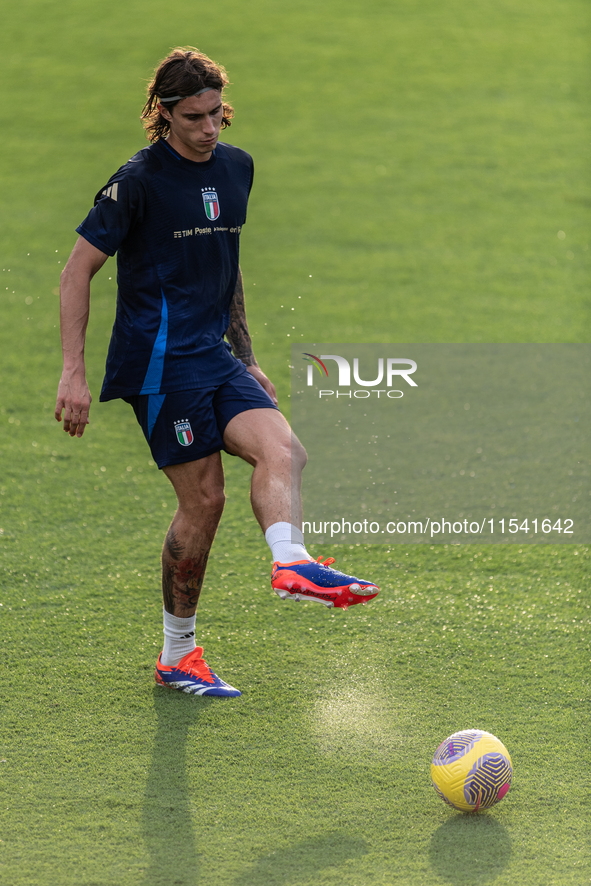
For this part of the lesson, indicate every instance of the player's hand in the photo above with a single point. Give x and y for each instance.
(265, 382)
(73, 399)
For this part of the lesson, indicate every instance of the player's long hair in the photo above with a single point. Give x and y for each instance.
(183, 72)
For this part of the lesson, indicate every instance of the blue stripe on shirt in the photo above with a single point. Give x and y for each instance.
(153, 378)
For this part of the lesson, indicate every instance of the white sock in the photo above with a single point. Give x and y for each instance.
(179, 638)
(286, 543)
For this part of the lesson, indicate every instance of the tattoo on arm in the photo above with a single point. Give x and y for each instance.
(237, 332)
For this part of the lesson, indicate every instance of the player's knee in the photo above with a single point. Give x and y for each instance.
(299, 456)
(207, 502)
(214, 500)
(288, 453)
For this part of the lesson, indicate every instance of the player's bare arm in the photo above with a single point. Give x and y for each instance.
(238, 334)
(240, 341)
(73, 395)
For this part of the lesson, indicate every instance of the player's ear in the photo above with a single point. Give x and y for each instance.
(164, 112)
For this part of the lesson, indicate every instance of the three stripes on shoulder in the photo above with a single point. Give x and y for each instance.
(111, 191)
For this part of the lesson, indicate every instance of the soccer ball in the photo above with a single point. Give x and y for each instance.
(471, 770)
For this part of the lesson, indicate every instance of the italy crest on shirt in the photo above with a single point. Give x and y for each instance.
(211, 203)
(183, 432)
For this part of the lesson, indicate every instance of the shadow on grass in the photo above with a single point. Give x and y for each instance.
(167, 825)
(303, 860)
(470, 849)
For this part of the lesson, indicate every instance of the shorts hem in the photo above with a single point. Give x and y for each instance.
(222, 427)
(182, 460)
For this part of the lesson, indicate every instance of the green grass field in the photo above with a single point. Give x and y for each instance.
(415, 163)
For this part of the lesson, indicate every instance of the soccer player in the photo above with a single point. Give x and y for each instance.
(173, 214)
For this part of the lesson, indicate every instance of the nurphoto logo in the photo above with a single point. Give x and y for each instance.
(388, 369)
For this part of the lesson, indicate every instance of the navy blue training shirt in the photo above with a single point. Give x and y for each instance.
(175, 226)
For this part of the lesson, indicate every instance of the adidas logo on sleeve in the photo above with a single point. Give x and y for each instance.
(111, 191)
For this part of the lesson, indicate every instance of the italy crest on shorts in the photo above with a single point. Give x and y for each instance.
(183, 432)
(211, 203)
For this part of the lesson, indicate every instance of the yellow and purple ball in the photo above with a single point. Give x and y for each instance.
(471, 770)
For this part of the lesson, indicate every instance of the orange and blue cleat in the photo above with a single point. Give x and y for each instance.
(194, 676)
(314, 580)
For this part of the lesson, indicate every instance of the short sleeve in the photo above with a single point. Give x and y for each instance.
(117, 209)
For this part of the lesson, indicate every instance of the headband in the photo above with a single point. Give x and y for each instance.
(178, 98)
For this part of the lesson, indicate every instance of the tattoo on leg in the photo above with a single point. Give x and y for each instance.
(174, 547)
(182, 582)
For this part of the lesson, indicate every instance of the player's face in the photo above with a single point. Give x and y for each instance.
(195, 125)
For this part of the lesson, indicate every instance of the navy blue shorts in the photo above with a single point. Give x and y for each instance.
(188, 425)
